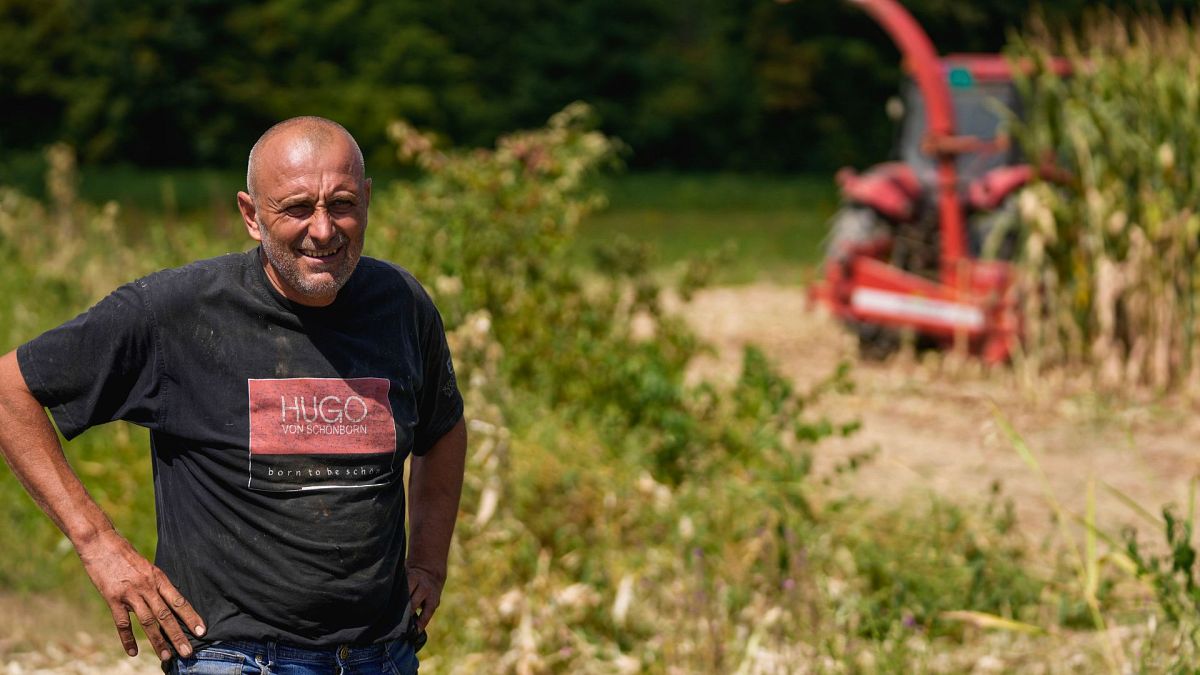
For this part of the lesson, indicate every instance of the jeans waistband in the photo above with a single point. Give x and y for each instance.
(273, 651)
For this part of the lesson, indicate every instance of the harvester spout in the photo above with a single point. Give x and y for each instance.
(922, 64)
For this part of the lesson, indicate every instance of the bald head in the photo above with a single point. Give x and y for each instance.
(306, 204)
(306, 134)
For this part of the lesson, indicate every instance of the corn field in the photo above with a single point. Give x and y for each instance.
(1110, 253)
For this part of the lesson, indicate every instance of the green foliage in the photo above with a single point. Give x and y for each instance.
(1171, 574)
(493, 227)
(1167, 568)
(945, 559)
(61, 257)
(735, 84)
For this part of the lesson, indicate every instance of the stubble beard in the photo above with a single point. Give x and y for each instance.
(286, 264)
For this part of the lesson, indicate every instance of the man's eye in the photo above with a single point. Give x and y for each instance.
(298, 211)
(341, 205)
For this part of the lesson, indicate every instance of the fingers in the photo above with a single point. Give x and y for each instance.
(130, 583)
(425, 599)
(150, 626)
(165, 618)
(425, 616)
(157, 613)
(179, 605)
(419, 593)
(124, 629)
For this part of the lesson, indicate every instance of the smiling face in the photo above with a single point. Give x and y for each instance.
(308, 209)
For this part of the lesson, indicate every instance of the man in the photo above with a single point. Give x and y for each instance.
(283, 389)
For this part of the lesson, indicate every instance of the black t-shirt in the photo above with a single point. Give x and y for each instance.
(279, 435)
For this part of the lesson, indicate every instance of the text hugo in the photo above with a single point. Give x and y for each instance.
(331, 409)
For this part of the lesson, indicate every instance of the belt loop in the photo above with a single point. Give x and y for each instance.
(272, 653)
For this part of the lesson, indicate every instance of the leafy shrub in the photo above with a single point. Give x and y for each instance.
(492, 230)
(1171, 576)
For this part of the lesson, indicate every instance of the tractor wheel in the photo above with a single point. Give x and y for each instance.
(852, 225)
(875, 342)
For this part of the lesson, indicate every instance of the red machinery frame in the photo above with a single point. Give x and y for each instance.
(973, 301)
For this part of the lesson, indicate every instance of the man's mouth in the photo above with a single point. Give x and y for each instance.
(322, 254)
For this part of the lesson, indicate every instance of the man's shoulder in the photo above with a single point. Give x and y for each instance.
(180, 287)
(218, 269)
(378, 268)
(387, 276)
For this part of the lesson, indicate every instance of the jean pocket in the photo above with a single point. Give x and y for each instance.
(401, 657)
(217, 661)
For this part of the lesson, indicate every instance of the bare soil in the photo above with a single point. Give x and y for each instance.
(935, 419)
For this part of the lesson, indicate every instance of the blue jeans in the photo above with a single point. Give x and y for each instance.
(271, 658)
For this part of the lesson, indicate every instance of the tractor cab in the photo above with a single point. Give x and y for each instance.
(983, 97)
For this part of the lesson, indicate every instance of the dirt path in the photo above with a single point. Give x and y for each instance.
(934, 419)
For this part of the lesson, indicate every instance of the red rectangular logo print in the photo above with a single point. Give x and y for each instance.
(321, 416)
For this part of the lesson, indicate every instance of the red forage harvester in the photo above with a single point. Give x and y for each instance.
(923, 243)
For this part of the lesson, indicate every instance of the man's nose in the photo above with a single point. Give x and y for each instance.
(320, 227)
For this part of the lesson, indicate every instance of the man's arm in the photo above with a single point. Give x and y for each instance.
(126, 580)
(434, 488)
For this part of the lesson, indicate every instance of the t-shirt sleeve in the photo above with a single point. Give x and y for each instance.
(440, 405)
(101, 366)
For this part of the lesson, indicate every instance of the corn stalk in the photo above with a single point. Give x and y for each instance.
(1112, 252)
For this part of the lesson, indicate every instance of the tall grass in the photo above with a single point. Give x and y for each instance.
(1141, 593)
(1111, 254)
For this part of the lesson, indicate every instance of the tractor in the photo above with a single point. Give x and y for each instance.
(923, 244)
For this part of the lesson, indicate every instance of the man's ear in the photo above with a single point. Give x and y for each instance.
(246, 206)
(368, 184)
